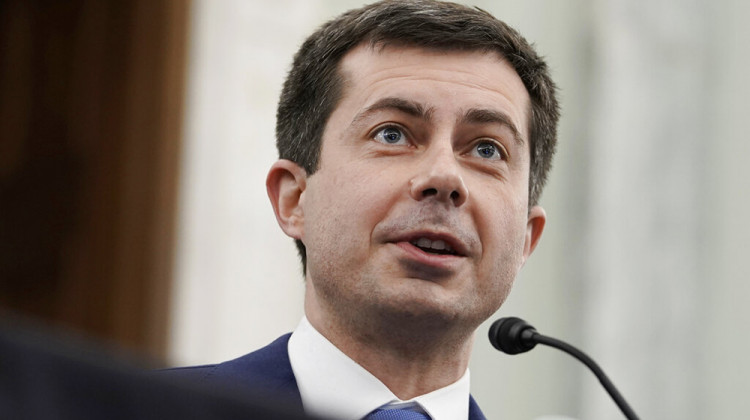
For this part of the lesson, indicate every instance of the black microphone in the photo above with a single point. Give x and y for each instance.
(514, 335)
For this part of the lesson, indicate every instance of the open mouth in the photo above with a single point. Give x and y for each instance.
(430, 246)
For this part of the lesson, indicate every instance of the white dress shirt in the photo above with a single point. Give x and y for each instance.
(333, 385)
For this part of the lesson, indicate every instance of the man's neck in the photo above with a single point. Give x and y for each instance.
(409, 361)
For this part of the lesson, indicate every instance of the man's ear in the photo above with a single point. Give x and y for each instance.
(534, 227)
(285, 185)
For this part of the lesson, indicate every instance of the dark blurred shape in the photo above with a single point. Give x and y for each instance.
(45, 376)
(90, 125)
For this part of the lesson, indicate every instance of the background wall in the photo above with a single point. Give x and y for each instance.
(643, 263)
(91, 97)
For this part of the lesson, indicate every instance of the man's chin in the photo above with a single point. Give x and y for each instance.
(437, 305)
(432, 308)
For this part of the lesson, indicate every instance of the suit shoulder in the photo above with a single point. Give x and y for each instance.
(265, 367)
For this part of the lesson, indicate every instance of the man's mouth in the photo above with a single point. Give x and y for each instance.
(433, 246)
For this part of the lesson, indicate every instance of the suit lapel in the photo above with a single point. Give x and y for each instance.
(474, 412)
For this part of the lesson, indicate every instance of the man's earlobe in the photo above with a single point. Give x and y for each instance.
(285, 185)
(534, 228)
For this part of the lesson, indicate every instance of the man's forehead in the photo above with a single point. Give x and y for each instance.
(364, 66)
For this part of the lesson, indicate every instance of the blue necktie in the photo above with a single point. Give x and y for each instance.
(396, 414)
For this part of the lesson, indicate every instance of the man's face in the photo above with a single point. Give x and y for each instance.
(419, 207)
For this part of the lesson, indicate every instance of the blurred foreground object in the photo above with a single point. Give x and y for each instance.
(44, 376)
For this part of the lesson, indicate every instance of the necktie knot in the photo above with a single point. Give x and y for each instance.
(396, 414)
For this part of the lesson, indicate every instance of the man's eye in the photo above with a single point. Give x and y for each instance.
(488, 150)
(390, 135)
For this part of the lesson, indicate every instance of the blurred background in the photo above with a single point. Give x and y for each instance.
(136, 135)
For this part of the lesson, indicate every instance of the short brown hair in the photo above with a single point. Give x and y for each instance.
(314, 86)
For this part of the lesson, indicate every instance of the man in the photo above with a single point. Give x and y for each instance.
(414, 140)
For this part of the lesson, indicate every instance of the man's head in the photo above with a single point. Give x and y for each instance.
(315, 85)
(410, 167)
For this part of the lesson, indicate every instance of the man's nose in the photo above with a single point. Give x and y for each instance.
(439, 177)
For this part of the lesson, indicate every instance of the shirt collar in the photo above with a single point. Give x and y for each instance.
(332, 384)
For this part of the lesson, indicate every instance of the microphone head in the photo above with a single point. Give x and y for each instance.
(512, 335)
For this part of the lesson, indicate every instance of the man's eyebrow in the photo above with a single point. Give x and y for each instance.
(414, 109)
(489, 116)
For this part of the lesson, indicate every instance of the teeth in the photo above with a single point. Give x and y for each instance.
(438, 245)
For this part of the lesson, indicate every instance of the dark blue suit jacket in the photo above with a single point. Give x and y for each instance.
(266, 371)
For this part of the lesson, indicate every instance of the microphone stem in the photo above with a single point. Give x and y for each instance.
(586, 360)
